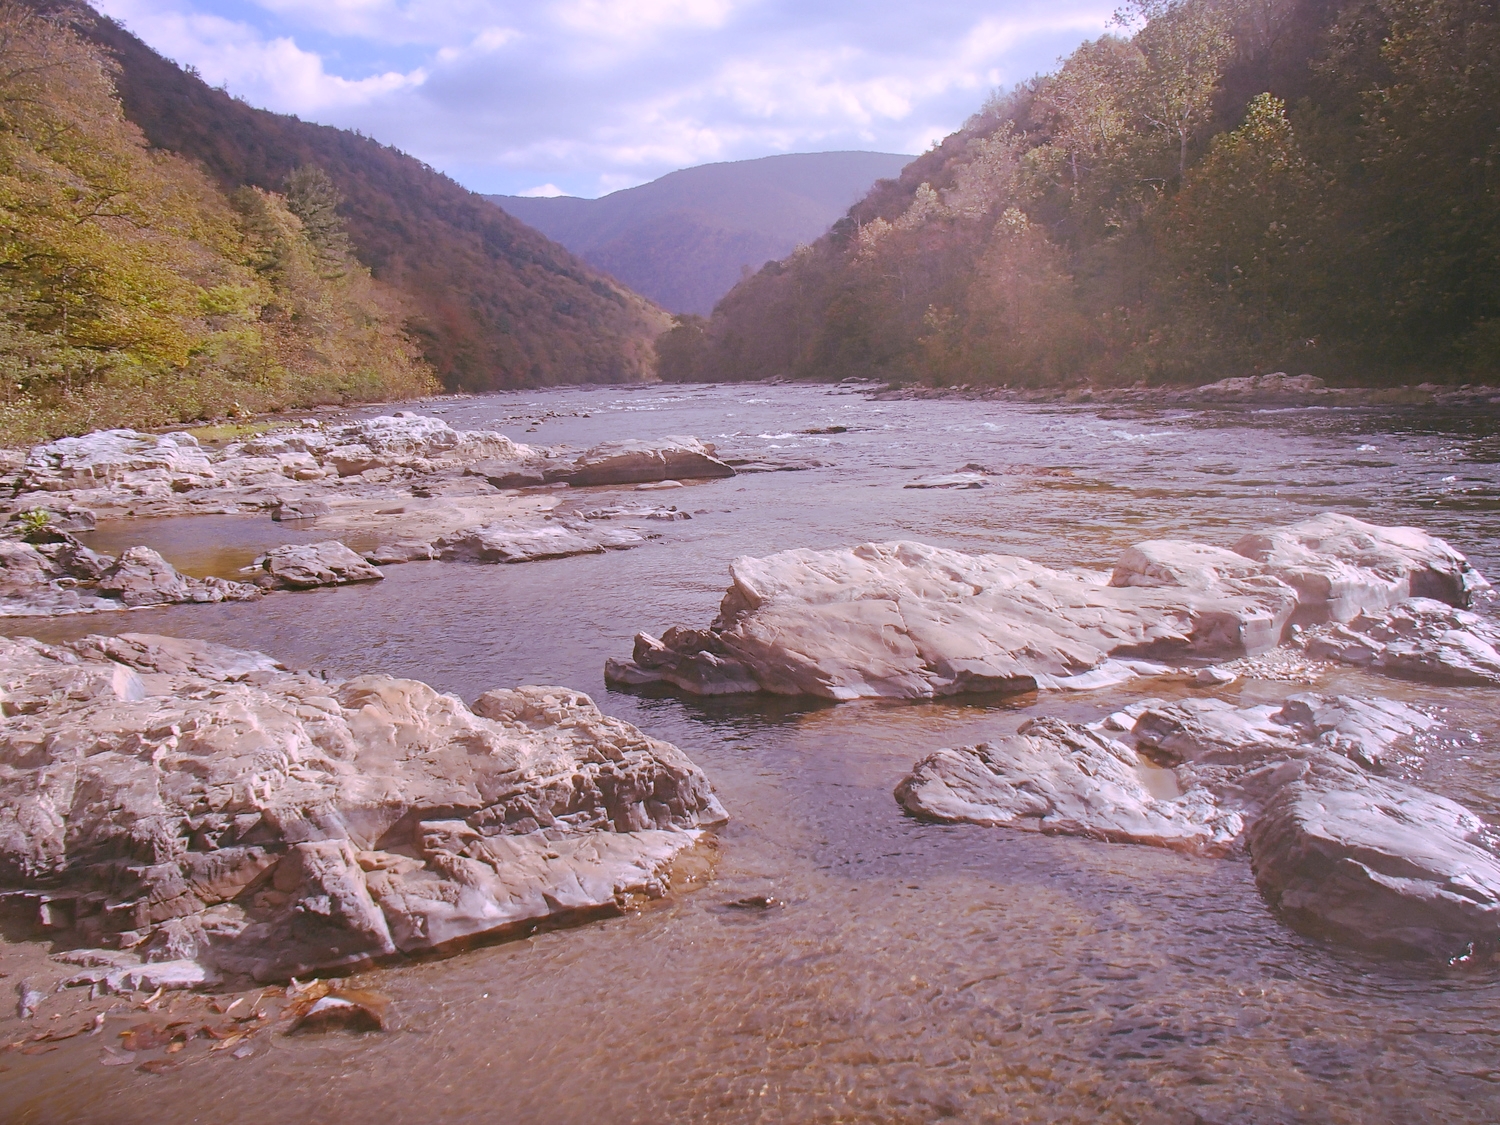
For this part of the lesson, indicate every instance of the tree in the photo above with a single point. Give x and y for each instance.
(1185, 45)
(313, 198)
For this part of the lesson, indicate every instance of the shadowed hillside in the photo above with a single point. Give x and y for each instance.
(685, 239)
(493, 303)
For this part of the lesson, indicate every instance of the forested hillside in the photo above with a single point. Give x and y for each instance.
(684, 239)
(473, 295)
(1221, 188)
(134, 291)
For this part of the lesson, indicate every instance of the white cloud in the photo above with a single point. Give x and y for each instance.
(632, 19)
(584, 96)
(542, 191)
(274, 73)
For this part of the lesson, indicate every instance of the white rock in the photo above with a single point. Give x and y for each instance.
(906, 620)
(1342, 567)
(269, 823)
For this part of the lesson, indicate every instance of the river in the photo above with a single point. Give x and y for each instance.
(915, 971)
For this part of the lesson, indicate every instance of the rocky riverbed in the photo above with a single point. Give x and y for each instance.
(406, 487)
(1338, 850)
(1211, 944)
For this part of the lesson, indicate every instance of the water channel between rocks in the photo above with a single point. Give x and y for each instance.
(915, 971)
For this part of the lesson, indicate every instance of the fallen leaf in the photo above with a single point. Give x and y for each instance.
(354, 1010)
(156, 1066)
(144, 1036)
(243, 1051)
(57, 1034)
(111, 1056)
(227, 1043)
(38, 1048)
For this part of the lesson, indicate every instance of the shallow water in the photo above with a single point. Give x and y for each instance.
(915, 971)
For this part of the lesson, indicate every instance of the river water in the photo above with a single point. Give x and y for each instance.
(915, 971)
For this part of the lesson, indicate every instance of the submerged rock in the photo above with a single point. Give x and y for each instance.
(1063, 779)
(1337, 850)
(950, 480)
(207, 805)
(906, 620)
(1376, 863)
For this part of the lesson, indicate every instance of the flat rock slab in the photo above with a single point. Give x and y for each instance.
(201, 804)
(115, 473)
(906, 620)
(1059, 778)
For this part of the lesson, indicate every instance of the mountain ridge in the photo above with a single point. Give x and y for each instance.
(684, 239)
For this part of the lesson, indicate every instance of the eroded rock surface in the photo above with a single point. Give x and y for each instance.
(1342, 567)
(636, 462)
(1421, 639)
(301, 566)
(906, 620)
(189, 802)
(1061, 778)
(1338, 850)
(1377, 863)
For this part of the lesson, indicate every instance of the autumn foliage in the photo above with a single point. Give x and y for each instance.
(1222, 187)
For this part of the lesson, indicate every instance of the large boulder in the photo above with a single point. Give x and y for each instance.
(64, 577)
(1376, 863)
(192, 802)
(906, 620)
(141, 577)
(109, 457)
(1342, 567)
(636, 462)
(302, 566)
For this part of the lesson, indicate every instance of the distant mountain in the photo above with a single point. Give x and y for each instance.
(495, 303)
(685, 239)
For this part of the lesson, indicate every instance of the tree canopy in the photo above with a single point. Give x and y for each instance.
(134, 291)
(1220, 187)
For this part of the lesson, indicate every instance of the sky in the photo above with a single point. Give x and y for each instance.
(585, 97)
